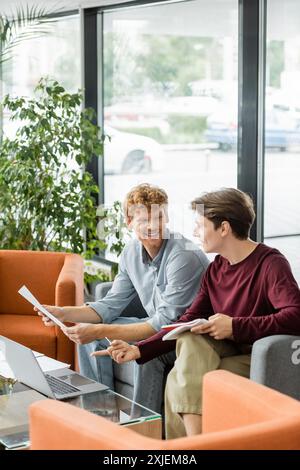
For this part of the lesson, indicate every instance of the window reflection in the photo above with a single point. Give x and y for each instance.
(282, 135)
(56, 55)
(169, 72)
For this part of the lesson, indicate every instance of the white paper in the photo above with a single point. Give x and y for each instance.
(30, 298)
(47, 363)
(123, 417)
(36, 353)
(175, 329)
(5, 370)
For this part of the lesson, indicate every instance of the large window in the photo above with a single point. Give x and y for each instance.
(170, 100)
(56, 54)
(282, 134)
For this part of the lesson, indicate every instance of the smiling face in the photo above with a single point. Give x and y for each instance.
(149, 224)
(146, 213)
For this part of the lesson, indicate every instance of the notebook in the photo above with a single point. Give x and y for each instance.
(175, 329)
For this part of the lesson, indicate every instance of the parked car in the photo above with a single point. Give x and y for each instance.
(281, 130)
(124, 152)
(131, 153)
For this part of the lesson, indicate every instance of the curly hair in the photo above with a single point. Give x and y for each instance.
(145, 195)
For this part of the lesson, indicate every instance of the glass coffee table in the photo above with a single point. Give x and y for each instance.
(14, 403)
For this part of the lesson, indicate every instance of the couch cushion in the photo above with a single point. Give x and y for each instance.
(38, 270)
(124, 389)
(30, 331)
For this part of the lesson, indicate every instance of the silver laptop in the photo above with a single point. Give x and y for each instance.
(59, 384)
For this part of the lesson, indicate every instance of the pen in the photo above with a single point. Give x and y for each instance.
(107, 340)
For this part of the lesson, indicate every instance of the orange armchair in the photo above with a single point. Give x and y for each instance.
(237, 414)
(55, 279)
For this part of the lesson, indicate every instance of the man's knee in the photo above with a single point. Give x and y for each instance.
(187, 336)
(190, 341)
(239, 364)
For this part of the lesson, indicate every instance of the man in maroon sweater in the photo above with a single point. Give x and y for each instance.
(248, 292)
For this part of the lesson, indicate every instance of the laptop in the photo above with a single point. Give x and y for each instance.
(59, 384)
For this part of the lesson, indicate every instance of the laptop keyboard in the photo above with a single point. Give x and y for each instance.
(58, 387)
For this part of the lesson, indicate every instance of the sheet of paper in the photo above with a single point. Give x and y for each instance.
(30, 298)
(172, 326)
(175, 332)
(123, 417)
(47, 363)
(5, 370)
(36, 353)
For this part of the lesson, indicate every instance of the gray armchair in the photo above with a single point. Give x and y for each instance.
(271, 360)
(272, 364)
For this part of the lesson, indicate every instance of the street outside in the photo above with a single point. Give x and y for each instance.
(187, 173)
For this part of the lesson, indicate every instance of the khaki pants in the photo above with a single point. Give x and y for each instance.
(196, 355)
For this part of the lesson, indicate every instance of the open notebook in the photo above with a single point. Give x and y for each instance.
(175, 329)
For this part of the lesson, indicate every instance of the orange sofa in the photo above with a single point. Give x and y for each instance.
(55, 279)
(237, 414)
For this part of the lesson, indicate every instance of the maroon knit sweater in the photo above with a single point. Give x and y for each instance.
(260, 293)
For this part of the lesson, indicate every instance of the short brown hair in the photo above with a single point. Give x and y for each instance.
(232, 205)
(145, 195)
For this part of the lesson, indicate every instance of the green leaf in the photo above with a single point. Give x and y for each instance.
(26, 23)
(47, 201)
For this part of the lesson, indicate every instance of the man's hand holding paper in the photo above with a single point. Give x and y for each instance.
(83, 333)
(42, 310)
(219, 326)
(55, 311)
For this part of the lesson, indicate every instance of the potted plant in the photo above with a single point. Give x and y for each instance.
(113, 232)
(23, 24)
(47, 198)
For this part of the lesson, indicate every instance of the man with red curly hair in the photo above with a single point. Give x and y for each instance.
(164, 270)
